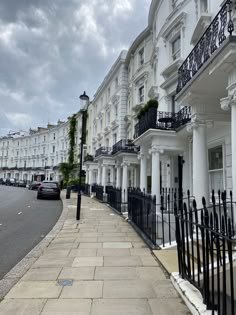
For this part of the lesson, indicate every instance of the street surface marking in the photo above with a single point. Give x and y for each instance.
(19, 212)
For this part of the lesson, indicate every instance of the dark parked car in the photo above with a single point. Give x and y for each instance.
(49, 190)
(21, 183)
(34, 185)
(10, 181)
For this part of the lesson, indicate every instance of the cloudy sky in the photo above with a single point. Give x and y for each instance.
(53, 50)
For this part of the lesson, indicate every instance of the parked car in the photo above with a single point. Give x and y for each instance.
(34, 185)
(49, 190)
(10, 181)
(21, 183)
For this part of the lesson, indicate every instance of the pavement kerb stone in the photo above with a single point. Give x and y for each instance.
(18, 271)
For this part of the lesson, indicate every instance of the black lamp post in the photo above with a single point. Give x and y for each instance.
(85, 100)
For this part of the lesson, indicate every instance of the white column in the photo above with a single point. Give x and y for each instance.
(124, 182)
(233, 143)
(104, 172)
(99, 175)
(87, 175)
(113, 176)
(156, 173)
(231, 102)
(135, 176)
(143, 171)
(200, 163)
(118, 176)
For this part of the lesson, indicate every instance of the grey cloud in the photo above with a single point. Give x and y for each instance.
(51, 50)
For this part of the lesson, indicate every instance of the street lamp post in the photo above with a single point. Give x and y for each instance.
(85, 100)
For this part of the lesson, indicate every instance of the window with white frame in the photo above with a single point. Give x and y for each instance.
(216, 174)
(141, 94)
(173, 4)
(116, 111)
(203, 6)
(114, 138)
(141, 56)
(109, 92)
(175, 48)
(108, 118)
(116, 82)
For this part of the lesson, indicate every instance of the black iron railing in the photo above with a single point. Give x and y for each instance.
(102, 151)
(165, 213)
(164, 121)
(98, 190)
(85, 188)
(126, 146)
(142, 212)
(114, 197)
(210, 41)
(206, 244)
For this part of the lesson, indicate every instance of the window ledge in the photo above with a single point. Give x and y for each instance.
(202, 24)
(173, 67)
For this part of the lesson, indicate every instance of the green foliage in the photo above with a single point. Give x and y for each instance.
(72, 131)
(150, 104)
(66, 168)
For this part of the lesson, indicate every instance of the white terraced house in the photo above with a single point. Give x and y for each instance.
(36, 155)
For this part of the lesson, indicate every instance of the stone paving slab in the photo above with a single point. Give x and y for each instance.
(35, 290)
(122, 261)
(83, 290)
(22, 307)
(38, 274)
(67, 306)
(87, 261)
(128, 289)
(115, 273)
(121, 307)
(79, 273)
(117, 245)
(113, 252)
(170, 306)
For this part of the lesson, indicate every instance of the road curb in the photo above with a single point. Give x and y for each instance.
(17, 272)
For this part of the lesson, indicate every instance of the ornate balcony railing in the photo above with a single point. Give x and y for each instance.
(126, 146)
(102, 151)
(210, 41)
(164, 121)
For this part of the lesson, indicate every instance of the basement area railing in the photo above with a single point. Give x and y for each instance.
(206, 248)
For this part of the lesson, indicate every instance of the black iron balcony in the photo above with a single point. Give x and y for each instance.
(211, 40)
(102, 151)
(163, 120)
(126, 146)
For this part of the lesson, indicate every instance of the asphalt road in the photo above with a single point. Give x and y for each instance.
(24, 221)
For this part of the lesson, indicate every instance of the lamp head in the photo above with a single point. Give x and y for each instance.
(84, 101)
(84, 97)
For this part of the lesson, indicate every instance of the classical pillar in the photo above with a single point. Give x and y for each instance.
(99, 175)
(143, 171)
(104, 172)
(87, 175)
(118, 176)
(124, 182)
(155, 151)
(112, 176)
(200, 161)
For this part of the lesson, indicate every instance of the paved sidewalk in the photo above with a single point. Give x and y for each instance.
(97, 267)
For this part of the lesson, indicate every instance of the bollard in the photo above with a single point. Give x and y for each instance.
(68, 192)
